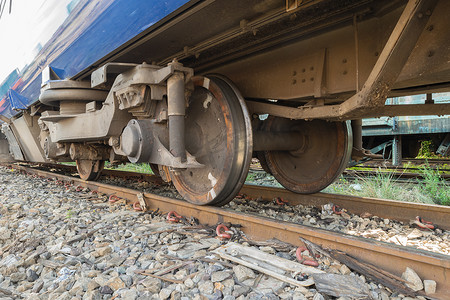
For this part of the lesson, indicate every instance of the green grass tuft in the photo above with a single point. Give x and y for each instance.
(434, 186)
(139, 168)
(383, 185)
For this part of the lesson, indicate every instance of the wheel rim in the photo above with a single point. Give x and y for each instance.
(155, 169)
(90, 169)
(261, 156)
(323, 157)
(219, 136)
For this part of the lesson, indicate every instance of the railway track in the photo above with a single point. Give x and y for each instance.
(401, 211)
(389, 257)
(412, 174)
(410, 169)
(412, 162)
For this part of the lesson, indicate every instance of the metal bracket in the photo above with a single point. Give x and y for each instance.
(142, 74)
(292, 4)
(49, 74)
(162, 156)
(99, 76)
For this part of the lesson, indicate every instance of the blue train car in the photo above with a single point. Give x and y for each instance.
(74, 36)
(181, 84)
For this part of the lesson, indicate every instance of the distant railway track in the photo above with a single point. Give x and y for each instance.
(408, 164)
(389, 257)
(410, 168)
(377, 166)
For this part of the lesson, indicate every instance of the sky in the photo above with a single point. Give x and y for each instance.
(30, 24)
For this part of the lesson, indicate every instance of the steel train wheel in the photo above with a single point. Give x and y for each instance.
(323, 156)
(90, 169)
(155, 169)
(219, 136)
(260, 155)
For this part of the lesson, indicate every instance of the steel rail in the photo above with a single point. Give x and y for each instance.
(383, 208)
(415, 161)
(408, 165)
(389, 257)
(399, 169)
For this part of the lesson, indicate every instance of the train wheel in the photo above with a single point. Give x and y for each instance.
(219, 136)
(261, 156)
(90, 169)
(155, 169)
(325, 152)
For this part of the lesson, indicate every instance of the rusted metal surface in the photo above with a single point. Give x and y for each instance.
(176, 111)
(333, 110)
(391, 209)
(277, 141)
(79, 151)
(322, 157)
(264, 49)
(384, 208)
(370, 99)
(219, 135)
(90, 169)
(318, 55)
(414, 163)
(386, 256)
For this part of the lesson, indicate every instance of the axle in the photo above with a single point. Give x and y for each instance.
(277, 141)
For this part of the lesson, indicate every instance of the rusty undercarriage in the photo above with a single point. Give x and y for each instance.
(195, 113)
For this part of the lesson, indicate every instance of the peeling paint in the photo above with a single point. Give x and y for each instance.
(212, 179)
(212, 194)
(207, 101)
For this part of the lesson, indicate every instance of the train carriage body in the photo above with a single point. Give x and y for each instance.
(181, 84)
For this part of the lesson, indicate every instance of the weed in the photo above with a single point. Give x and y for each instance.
(139, 168)
(426, 150)
(383, 185)
(434, 186)
(250, 177)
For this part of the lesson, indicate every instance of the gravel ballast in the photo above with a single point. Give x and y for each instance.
(60, 242)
